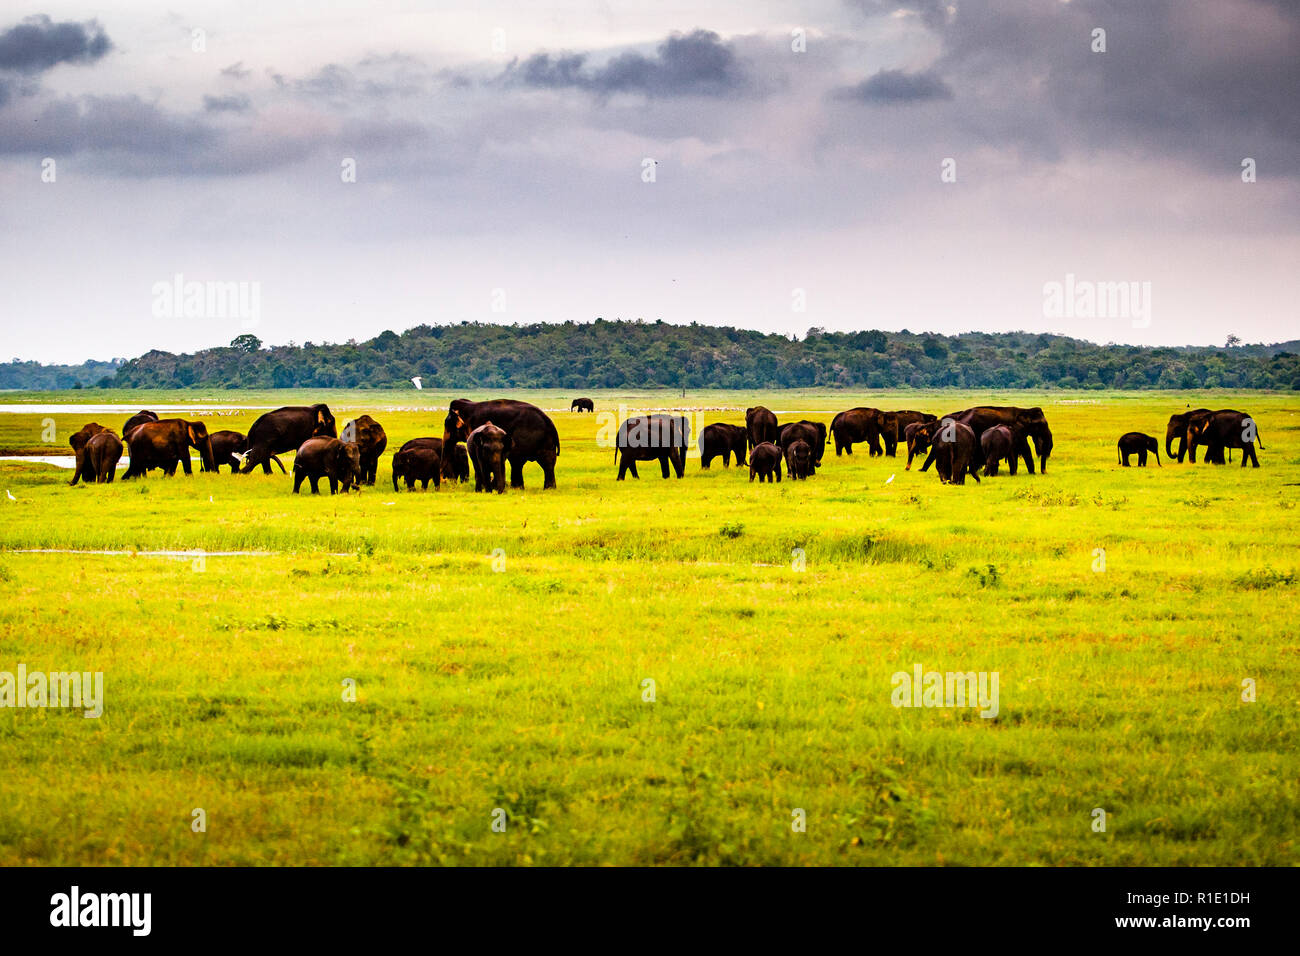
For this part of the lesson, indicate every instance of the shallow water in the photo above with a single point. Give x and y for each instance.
(126, 410)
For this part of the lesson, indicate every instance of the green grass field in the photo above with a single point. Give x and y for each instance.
(500, 647)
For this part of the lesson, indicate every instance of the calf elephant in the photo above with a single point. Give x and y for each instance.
(459, 459)
(953, 452)
(918, 435)
(532, 433)
(1225, 429)
(665, 438)
(317, 458)
(103, 452)
(139, 418)
(894, 424)
(724, 441)
(371, 441)
(286, 429)
(998, 443)
(228, 447)
(1136, 443)
(420, 459)
(582, 405)
(488, 448)
(814, 433)
(85, 469)
(166, 443)
(765, 462)
(1178, 427)
(798, 460)
(858, 425)
(760, 426)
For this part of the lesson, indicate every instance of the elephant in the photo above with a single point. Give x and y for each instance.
(228, 447)
(85, 468)
(459, 459)
(582, 405)
(325, 457)
(918, 436)
(371, 440)
(725, 441)
(532, 433)
(164, 443)
(814, 433)
(488, 448)
(1225, 429)
(1177, 428)
(1137, 443)
(799, 460)
(103, 452)
(286, 429)
(953, 452)
(420, 459)
(998, 443)
(760, 426)
(1030, 422)
(893, 425)
(650, 437)
(765, 462)
(137, 419)
(858, 425)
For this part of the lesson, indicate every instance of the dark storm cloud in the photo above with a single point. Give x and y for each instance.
(38, 43)
(897, 86)
(694, 64)
(234, 103)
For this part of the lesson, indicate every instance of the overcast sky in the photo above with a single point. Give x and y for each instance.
(501, 152)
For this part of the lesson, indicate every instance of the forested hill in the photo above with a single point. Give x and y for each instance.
(645, 354)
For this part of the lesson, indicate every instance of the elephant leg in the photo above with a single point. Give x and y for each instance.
(298, 476)
(516, 472)
(680, 462)
(185, 462)
(706, 460)
(547, 460)
(315, 484)
(334, 485)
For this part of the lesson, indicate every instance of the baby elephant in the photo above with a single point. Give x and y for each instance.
(419, 460)
(765, 462)
(488, 448)
(339, 461)
(102, 454)
(798, 460)
(1136, 442)
(952, 450)
(998, 443)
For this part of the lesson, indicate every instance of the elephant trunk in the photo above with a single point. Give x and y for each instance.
(206, 456)
(1169, 443)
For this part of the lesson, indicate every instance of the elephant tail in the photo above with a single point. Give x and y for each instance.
(276, 459)
(1119, 452)
(555, 437)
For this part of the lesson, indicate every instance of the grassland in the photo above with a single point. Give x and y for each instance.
(516, 681)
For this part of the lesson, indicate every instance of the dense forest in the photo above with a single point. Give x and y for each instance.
(33, 376)
(605, 354)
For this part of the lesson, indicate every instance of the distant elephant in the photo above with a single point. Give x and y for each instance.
(952, 450)
(371, 440)
(649, 437)
(286, 429)
(760, 426)
(1226, 429)
(227, 447)
(1025, 423)
(765, 462)
(166, 443)
(532, 433)
(893, 425)
(488, 448)
(918, 436)
(798, 460)
(814, 433)
(103, 452)
(85, 469)
(317, 458)
(420, 459)
(858, 425)
(582, 405)
(1177, 428)
(1137, 443)
(137, 419)
(725, 441)
(998, 443)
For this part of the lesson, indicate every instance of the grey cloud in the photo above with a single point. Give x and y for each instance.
(38, 43)
(897, 86)
(236, 71)
(234, 103)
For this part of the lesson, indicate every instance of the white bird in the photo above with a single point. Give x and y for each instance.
(889, 479)
(241, 455)
(416, 382)
(10, 494)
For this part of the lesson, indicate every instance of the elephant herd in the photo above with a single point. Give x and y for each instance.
(1219, 431)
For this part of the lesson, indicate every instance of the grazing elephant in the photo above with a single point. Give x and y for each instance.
(420, 459)
(1178, 428)
(1225, 429)
(488, 448)
(228, 447)
(582, 405)
(1024, 422)
(953, 452)
(103, 452)
(760, 426)
(371, 440)
(137, 419)
(894, 424)
(814, 433)
(799, 460)
(317, 458)
(1137, 443)
(286, 429)
(999, 443)
(532, 433)
(651, 437)
(918, 436)
(85, 468)
(765, 462)
(724, 441)
(858, 425)
(166, 443)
